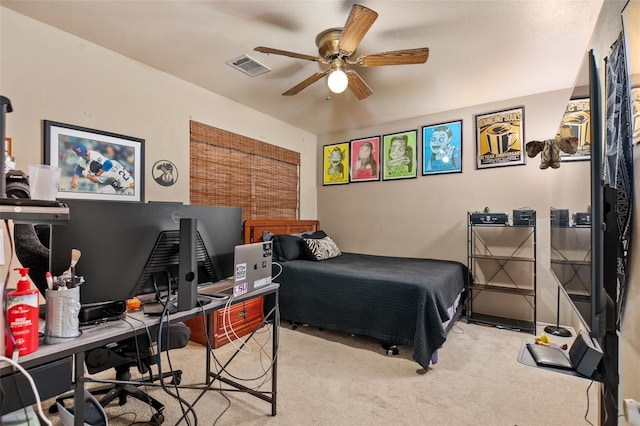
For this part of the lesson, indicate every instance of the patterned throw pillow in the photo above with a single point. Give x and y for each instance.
(320, 249)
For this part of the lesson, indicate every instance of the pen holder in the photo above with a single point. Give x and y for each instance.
(61, 318)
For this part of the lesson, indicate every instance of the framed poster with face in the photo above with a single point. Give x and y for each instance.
(500, 138)
(399, 155)
(335, 164)
(365, 159)
(442, 148)
(576, 121)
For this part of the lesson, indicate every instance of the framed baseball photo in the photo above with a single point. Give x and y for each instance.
(95, 164)
(365, 159)
(442, 148)
(335, 164)
(399, 155)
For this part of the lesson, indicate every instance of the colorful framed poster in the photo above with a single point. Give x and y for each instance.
(576, 122)
(442, 148)
(400, 155)
(335, 164)
(365, 159)
(500, 138)
(95, 165)
(635, 114)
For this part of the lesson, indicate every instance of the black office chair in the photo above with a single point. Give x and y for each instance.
(134, 352)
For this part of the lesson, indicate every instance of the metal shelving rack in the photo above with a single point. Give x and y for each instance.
(502, 262)
(570, 261)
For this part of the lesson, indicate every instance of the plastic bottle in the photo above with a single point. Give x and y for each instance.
(23, 312)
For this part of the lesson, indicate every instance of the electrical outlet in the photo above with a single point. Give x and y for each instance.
(632, 411)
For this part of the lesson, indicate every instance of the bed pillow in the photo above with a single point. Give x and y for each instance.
(317, 235)
(287, 247)
(320, 249)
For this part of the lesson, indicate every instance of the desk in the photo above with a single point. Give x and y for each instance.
(97, 336)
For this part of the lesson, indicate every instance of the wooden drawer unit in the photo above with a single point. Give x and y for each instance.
(239, 320)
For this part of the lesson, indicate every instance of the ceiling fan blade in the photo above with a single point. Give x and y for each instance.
(358, 23)
(269, 50)
(397, 57)
(304, 84)
(358, 86)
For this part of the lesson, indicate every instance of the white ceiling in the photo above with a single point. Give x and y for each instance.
(480, 51)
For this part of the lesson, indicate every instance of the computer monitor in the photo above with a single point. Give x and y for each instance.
(117, 240)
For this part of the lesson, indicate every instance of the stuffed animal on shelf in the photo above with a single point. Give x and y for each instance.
(550, 149)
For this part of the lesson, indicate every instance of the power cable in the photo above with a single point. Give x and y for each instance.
(190, 408)
(34, 389)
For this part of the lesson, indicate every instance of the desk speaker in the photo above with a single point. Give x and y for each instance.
(585, 354)
(188, 266)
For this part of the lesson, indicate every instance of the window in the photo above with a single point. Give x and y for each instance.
(227, 169)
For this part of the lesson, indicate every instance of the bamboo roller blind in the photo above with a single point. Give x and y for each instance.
(227, 169)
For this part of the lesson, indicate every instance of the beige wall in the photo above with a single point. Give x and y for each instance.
(426, 216)
(52, 75)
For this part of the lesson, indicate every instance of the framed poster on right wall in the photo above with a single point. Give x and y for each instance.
(442, 148)
(576, 121)
(399, 153)
(335, 164)
(635, 112)
(500, 138)
(365, 159)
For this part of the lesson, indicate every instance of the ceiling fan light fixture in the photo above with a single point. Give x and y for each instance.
(337, 81)
(336, 46)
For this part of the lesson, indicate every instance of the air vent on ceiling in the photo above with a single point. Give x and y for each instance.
(248, 65)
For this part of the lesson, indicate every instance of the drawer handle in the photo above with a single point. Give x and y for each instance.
(242, 313)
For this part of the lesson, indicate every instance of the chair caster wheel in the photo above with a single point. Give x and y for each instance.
(157, 419)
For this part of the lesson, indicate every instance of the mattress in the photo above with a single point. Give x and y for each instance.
(402, 301)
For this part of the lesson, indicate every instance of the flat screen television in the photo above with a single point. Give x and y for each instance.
(598, 227)
(582, 279)
(122, 242)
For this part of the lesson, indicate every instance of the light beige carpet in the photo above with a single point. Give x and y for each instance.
(327, 378)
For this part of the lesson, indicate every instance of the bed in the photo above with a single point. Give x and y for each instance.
(398, 301)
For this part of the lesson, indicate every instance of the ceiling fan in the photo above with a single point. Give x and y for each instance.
(336, 45)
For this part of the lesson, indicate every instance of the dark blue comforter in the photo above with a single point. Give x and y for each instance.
(395, 300)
